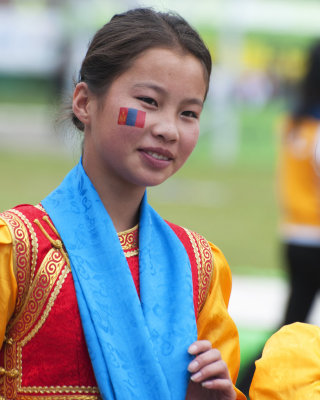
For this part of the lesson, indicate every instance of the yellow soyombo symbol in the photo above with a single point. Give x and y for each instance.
(122, 117)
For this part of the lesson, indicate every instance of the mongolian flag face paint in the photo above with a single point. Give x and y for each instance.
(131, 117)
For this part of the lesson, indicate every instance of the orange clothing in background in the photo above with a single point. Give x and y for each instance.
(299, 180)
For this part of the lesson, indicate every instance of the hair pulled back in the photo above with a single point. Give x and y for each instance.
(118, 43)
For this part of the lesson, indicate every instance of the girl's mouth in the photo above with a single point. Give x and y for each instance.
(158, 156)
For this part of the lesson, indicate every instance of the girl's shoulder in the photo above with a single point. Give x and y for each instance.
(201, 256)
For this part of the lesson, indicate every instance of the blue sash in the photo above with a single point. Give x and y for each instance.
(138, 349)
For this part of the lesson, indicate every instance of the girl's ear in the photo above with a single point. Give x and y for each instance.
(80, 102)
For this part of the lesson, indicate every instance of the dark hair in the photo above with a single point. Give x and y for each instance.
(309, 99)
(119, 42)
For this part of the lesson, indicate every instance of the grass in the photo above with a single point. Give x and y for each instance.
(233, 207)
(29, 177)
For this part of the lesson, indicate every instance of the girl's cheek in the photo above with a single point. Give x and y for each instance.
(193, 137)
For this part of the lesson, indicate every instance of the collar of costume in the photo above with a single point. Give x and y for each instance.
(138, 347)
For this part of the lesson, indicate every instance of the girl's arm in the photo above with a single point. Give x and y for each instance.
(217, 329)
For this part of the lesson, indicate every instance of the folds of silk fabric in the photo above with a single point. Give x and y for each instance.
(138, 347)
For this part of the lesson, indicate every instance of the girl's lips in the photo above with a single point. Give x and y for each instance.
(158, 153)
(157, 158)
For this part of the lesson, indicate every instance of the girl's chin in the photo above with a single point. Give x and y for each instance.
(154, 181)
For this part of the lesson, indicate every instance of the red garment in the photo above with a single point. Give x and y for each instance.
(45, 352)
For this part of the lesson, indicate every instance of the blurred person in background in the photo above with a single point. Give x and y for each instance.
(99, 296)
(299, 199)
(299, 193)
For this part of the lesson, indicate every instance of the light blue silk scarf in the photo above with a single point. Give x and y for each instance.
(138, 349)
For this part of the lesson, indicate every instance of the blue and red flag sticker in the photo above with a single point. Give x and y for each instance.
(131, 117)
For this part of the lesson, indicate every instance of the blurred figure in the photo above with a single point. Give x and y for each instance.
(299, 197)
(299, 189)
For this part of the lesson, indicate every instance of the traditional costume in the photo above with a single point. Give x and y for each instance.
(77, 323)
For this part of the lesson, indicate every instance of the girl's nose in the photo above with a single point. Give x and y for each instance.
(166, 129)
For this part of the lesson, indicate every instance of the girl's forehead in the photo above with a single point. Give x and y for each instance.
(164, 69)
(161, 53)
(173, 62)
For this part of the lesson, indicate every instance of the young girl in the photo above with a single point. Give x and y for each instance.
(99, 296)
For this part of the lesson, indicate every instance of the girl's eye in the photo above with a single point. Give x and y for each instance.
(148, 100)
(190, 114)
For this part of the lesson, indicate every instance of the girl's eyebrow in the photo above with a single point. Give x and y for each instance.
(149, 85)
(161, 90)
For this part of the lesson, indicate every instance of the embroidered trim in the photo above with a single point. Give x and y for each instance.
(54, 295)
(60, 389)
(57, 244)
(133, 253)
(129, 239)
(38, 294)
(19, 225)
(204, 258)
(45, 279)
(39, 207)
(10, 385)
(37, 327)
(71, 396)
(127, 231)
(34, 240)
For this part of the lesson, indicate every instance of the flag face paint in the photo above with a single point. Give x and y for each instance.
(131, 117)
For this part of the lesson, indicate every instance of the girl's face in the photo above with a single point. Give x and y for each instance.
(169, 87)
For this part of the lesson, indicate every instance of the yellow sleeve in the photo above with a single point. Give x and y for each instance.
(289, 368)
(214, 322)
(8, 283)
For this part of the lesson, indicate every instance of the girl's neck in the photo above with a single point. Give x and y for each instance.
(123, 210)
(120, 199)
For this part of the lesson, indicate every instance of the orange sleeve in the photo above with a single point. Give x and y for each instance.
(8, 283)
(214, 322)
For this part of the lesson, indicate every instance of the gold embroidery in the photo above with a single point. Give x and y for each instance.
(49, 306)
(133, 253)
(204, 258)
(57, 244)
(129, 239)
(8, 340)
(34, 240)
(60, 389)
(58, 397)
(11, 373)
(9, 384)
(24, 270)
(40, 322)
(44, 281)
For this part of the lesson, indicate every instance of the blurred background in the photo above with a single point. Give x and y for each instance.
(227, 190)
